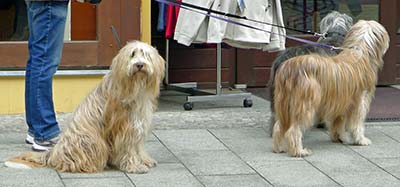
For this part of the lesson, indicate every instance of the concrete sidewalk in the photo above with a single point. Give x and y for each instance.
(223, 144)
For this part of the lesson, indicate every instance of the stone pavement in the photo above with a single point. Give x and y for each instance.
(223, 144)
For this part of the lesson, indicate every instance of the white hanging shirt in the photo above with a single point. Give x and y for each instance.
(193, 27)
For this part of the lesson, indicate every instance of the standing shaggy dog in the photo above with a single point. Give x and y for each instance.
(110, 125)
(338, 90)
(334, 27)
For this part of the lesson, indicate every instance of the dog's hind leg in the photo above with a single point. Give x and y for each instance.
(301, 120)
(356, 120)
(277, 135)
(337, 130)
(295, 145)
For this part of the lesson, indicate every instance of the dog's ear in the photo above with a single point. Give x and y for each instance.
(153, 83)
(161, 61)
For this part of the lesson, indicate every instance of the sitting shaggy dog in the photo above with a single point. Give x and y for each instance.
(110, 125)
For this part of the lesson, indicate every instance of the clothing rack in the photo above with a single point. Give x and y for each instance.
(197, 95)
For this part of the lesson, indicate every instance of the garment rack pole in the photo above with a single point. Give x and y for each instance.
(166, 61)
(219, 69)
(196, 95)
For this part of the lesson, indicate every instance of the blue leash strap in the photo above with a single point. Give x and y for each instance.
(175, 3)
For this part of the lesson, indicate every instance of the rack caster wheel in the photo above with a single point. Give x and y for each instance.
(247, 103)
(188, 106)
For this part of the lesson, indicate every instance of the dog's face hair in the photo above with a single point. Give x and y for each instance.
(369, 38)
(137, 64)
(336, 22)
(139, 59)
(334, 27)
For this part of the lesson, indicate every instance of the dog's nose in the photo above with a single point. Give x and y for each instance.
(139, 65)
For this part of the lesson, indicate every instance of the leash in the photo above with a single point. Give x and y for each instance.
(114, 31)
(193, 9)
(209, 10)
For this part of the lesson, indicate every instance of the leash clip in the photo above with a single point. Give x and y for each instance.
(320, 35)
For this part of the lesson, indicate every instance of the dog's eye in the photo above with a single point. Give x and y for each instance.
(133, 54)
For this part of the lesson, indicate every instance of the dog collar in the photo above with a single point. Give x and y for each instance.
(330, 34)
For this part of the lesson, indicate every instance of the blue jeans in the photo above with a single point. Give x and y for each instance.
(46, 21)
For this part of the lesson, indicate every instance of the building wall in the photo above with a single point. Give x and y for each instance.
(68, 91)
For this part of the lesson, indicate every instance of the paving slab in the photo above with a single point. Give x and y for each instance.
(382, 145)
(365, 178)
(12, 138)
(255, 149)
(234, 181)
(151, 138)
(249, 144)
(391, 165)
(344, 164)
(392, 132)
(107, 173)
(194, 139)
(213, 162)
(10, 150)
(292, 173)
(166, 174)
(239, 133)
(10, 177)
(99, 182)
(160, 153)
(223, 144)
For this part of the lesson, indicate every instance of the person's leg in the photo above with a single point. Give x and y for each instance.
(46, 25)
(28, 113)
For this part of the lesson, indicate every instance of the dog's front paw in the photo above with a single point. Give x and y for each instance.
(363, 141)
(301, 153)
(138, 169)
(149, 162)
(277, 149)
(335, 138)
(346, 138)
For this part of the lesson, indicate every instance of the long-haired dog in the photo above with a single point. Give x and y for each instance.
(334, 27)
(335, 89)
(110, 125)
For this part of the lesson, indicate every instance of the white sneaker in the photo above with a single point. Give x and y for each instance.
(29, 139)
(45, 145)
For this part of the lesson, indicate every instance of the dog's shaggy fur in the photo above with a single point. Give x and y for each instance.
(337, 90)
(334, 27)
(110, 125)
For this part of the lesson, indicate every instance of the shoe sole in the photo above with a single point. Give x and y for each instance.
(28, 142)
(29, 139)
(39, 148)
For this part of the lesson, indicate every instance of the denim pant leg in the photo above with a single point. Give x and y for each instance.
(46, 20)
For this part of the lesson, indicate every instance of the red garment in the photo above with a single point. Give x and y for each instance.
(172, 18)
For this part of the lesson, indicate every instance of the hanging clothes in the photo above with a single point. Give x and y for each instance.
(193, 27)
(171, 19)
(268, 11)
(161, 17)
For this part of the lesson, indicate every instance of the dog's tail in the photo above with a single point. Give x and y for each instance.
(282, 58)
(28, 160)
(279, 60)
